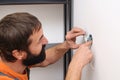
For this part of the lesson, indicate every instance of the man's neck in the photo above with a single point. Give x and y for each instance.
(16, 66)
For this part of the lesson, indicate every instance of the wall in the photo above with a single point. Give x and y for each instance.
(101, 18)
(52, 18)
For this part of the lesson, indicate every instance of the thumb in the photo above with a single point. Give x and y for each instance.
(89, 43)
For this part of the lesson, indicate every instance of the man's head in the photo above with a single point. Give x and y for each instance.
(21, 38)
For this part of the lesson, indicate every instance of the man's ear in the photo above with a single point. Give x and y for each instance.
(18, 54)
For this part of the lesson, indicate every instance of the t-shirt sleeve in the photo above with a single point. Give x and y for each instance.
(5, 78)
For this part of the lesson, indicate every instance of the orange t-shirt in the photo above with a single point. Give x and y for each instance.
(6, 70)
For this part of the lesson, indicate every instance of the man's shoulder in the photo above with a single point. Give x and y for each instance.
(5, 78)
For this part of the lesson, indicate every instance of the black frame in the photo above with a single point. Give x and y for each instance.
(4, 2)
(67, 18)
(68, 24)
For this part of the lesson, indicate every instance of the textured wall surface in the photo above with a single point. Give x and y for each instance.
(101, 18)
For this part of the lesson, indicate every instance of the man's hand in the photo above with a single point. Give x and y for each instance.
(71, 37)
(83, 54)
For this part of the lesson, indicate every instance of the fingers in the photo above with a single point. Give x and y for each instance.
(74, 33)
(75, 46)
(89, 43)
(83, 55)
(77, 30)
(86, 44)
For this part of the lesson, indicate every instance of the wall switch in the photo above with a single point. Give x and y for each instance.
(88, 37)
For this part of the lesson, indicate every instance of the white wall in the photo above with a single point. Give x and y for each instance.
(52, 18)
(101, 18)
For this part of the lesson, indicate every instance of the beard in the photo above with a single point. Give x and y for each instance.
(34, 59)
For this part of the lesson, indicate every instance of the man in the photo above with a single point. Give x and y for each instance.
(22, 46)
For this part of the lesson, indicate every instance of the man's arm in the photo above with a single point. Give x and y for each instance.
(74, 72)
(55, 53)
(81, 57)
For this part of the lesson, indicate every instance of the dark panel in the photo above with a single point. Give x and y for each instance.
(68, 26)
(51, 45)
(30, 1)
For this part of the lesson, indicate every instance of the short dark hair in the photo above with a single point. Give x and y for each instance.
(15, 30)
